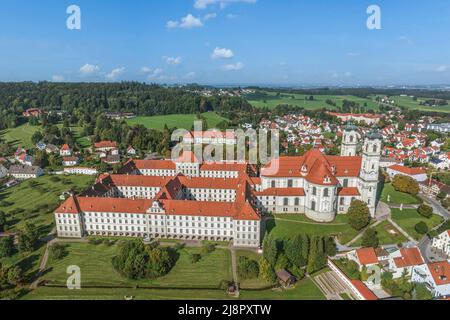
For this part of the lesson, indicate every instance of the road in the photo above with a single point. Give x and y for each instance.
(437, 207)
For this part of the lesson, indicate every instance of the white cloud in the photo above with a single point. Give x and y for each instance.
(209, 16)
(353, 54)
(204, 4)
(57, 78)
(115, 73)
(222, 53)
(233, 67)
(155, 73)
(190, 75)
(173, 61)
(89, 69)
(146, 70)
(442, 68)
(188, 22)
(231, 16)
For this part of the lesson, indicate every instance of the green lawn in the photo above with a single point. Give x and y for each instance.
(96, 268)
(289, 225)
(20, 136)
(397, 197)
(409, 103)
(180, 121)
(408, 218)
(387, 234)
(271, 100)
(35, 204)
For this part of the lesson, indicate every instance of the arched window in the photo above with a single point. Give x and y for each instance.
(314, 191)
(375, 148)
(342, 201)
(313, 206)
(286, 202)
(352, 139)
(326, 192)
(297, 201)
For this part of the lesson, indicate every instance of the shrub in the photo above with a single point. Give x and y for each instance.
(247, 268)
(425, 211)
(370, 239)
(208, 248)
(358, 215)
(405, 184)
(57, 251)
(195, 257)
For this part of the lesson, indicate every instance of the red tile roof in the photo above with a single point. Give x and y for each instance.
(105, 144)
(364, 291)
(280, 192)
(348, 192)
(367, 256)
(408, 171)
(65, 147)
(440, 271)
(409, 257)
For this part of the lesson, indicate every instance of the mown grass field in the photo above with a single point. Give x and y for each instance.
(397, 197)
(410, 103)
(387, 234)
(271, 100)
(408, 218)
(180, 121)
(284, 226)
(97, 270)
(21, 136)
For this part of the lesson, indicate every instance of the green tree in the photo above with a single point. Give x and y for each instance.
(425, 211)
(421, 228)
(405, 184)
(37, 137)
(6, 247)
(370, 238)
(2, 221)
(270, 249)
(28, 237)
(358, 215)
(266, 271)
(422, 293)
(247, 268)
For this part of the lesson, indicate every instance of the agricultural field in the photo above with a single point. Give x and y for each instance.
(283, 226)
(410, 103)
(271, 100)
(397, 197)
(408, 218)
(180, 121)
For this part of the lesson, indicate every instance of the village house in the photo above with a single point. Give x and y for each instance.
(70, 161)
(23, 172)
(442, 243)
(401, 262)
(364, 257)
(417, 174)
(436, 277)
(81, 171)
(32, 112)
(65, 151)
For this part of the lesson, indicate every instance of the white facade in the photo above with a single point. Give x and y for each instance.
(442, 242)
(81, 171)
(436, 277)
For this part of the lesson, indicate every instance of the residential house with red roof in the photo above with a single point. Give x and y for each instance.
(442, 243)
(417, 174)
(401, 262)
(435, 276)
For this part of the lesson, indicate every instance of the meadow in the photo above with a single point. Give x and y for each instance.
(410, 103)
(180, 121)
(408, 218)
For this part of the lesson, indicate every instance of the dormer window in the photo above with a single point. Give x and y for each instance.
(326, 179)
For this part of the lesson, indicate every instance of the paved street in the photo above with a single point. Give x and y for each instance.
(437, 207)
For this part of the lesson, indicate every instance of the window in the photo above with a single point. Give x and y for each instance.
(326, 193)
(313, 206)
(297, 201)
(290, 183)
(314, 192)
(375, 148)
(273, 184)
(286, 202)
(345, 183)
(342, 201)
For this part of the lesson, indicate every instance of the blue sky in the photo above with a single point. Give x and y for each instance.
(283, 42)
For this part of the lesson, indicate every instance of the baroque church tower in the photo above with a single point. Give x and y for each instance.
(370, 168)
(349, 141)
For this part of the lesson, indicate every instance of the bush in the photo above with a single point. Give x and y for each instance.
(421, 228)
(405, 184)
(208, 248)
(57, 251)
(425, 211)
(370, 239)
(358, 215)
(6, 247)
(195, 257)
(247, 268)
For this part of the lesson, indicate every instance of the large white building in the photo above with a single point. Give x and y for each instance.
(442, 242)
(188, 199)
(436, 276)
